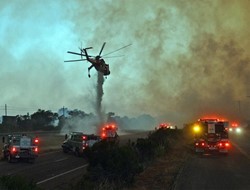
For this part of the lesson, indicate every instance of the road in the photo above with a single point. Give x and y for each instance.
(54, 169)
(212, 172)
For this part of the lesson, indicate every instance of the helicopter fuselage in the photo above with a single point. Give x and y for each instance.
(100, 65)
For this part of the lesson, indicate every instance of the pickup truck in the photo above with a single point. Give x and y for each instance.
(78, 142)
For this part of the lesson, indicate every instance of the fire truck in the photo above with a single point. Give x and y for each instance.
(235, 128)
(78, 142)
(20, 146)
(109, 132)
(211, 135)
(165, 126)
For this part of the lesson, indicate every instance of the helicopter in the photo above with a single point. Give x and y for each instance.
(96, 61)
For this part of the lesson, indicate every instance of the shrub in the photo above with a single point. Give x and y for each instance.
(16, 183)
(112, 164)
(146, 149)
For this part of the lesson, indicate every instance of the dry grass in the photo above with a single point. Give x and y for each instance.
(162, 173)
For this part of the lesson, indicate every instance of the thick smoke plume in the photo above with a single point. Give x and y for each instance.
(188, 58)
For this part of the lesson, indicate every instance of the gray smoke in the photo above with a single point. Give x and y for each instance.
(189, 58)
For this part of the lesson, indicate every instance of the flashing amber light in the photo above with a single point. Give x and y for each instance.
(196, 128)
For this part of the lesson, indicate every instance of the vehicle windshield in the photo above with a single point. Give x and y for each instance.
(16, 140)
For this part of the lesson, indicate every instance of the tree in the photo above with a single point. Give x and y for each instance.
(42, 118)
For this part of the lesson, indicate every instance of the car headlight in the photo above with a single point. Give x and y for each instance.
(238, 130)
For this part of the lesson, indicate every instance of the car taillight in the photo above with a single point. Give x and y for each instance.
(227, 144)
(36, 141)
(203, 144)
(196, 144)
(36, 149)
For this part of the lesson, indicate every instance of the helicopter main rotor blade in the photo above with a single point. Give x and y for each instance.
(75, 60)
(113, 56)
(102, 48)
(76, 53)
(118, 49)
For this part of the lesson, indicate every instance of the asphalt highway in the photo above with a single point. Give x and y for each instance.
(212, 172)
(54, 169)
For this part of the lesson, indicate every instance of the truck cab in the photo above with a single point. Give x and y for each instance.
(78, 142)
(20, 146)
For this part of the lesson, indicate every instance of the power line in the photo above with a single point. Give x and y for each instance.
(17, 109)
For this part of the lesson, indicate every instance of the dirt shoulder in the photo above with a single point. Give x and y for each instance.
(162, 173)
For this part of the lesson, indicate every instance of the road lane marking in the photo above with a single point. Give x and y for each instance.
(61, 174)
(50, 152)
(61, 159)
(241, 150)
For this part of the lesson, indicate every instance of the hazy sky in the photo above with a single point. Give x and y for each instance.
(188, 58)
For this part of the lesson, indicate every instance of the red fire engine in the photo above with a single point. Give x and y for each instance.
(109, 132)
(211, 135)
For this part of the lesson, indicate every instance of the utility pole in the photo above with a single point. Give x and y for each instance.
(5, 108)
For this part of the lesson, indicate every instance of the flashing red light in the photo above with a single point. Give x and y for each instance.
(13, 149)
(234, 125)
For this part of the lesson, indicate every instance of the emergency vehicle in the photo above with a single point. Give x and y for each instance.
(19, 147)
(165, 126)
(78, 142)
(211, 135)
(235, 128)
(109, 132)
